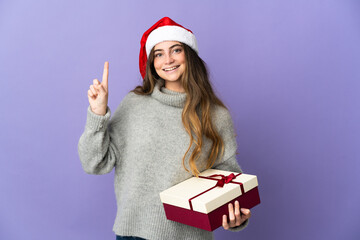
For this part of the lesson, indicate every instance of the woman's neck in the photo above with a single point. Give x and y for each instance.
(174, 86)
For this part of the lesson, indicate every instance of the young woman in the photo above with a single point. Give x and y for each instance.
(163, 132)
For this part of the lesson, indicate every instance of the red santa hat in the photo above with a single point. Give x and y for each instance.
(164, 30)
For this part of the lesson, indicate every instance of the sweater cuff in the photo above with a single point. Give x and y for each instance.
(96, 122)
(241, 227)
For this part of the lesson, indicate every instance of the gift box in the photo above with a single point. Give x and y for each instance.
(201, 202)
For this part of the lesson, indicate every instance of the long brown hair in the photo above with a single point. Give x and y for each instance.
(197, 111)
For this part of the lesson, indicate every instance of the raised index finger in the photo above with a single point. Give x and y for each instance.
(105, 75)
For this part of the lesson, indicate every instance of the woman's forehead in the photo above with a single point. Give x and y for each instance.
(166, 45)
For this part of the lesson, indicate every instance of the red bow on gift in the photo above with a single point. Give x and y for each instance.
(224, 179)
(220, 183)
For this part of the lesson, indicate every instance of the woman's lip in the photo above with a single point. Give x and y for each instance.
(176, 67)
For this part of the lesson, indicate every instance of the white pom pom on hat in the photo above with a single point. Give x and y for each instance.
(164, 30)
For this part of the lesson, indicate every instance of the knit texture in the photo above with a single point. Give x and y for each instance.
(145, 141)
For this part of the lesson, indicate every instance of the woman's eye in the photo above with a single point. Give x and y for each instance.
(158, 55)
(177, 50)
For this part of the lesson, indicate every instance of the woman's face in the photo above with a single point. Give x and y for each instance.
(169, 63)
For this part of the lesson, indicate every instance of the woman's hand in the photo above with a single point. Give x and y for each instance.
(98, 93)
(236, 218)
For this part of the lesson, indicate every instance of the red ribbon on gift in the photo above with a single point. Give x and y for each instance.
(220, 183)
(224, 179)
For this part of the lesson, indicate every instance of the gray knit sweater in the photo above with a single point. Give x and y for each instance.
(145, 141)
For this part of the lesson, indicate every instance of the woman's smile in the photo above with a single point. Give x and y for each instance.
(171, 69)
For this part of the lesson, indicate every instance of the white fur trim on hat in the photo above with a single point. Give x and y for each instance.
(171, 33)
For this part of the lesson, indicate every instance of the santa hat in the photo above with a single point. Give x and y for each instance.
(164, 30)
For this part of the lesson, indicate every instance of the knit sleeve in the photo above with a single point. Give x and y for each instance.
(97, 153)
(226, 130)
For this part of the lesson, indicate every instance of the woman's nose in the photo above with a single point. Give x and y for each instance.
(169, 59)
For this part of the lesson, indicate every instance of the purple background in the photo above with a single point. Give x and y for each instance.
(288, 71)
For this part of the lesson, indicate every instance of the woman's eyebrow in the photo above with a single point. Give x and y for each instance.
(175, 45)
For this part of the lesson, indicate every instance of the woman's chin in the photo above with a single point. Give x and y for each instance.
(171, 78)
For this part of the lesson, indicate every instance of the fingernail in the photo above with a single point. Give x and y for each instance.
(237, 202)
(245, 211)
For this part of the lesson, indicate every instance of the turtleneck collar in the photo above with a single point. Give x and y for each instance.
(167, 96)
